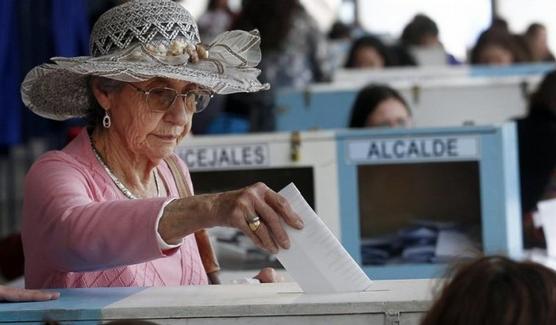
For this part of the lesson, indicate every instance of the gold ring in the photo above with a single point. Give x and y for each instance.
(254, 222)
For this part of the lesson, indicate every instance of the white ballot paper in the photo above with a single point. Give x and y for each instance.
(546, 217)
(316, 259)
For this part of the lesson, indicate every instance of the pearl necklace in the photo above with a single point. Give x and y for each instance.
(115, 179)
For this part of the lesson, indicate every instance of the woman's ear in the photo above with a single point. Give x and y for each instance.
(103, 97)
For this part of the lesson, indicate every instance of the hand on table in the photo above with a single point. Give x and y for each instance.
(20, 294)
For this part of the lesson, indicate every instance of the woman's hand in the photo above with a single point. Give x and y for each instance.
(237, 208)
(20, 294)
(269, 275)
(232, 209)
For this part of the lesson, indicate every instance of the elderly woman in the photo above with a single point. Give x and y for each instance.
(114, 208)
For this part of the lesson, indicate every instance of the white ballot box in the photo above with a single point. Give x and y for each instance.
(219, 163)
(387, 302)
(441, 100)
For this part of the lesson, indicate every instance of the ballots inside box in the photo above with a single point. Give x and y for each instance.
(411, 186)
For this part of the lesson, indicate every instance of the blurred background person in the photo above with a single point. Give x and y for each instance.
(537, 155)
(217, 19)
(498, 46)
(294, 53)
(339, 43)
(536, 39)
(422, 33)
(368, 52)
(379, 106)
(496, 290)
(294, 49)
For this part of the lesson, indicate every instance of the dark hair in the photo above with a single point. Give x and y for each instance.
(496, 290)
(533, 29)
(95, 113)
(508, 42)
(339, 30)
(272, 18)
(499, 35)
(368, 100)
(544, 98)
(500, 25)
(418, 28)
(368, 41)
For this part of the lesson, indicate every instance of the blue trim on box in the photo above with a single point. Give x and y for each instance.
(84, 304)
(306, 109)
(399, 272)
(526, 69)
(349, 204)
(512, 189)
(491, 172)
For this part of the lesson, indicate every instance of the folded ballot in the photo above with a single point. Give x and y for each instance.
(316, 259)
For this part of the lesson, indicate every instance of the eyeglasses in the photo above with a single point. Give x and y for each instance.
(160, 99)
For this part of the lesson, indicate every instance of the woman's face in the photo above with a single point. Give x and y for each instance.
(496, 55)
(389, 113)
(145, 132)
(368, 57)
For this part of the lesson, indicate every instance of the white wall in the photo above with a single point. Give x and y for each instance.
(520, 14)
(459, 21)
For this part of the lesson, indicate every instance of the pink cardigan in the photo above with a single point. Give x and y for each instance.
(79, 230)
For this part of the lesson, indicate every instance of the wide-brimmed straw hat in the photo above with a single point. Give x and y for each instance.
(137, 41)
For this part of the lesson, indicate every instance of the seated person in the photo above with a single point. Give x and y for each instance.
(379, 106)
(497, 46)
(115, 207)
(368, 52)
(422, 33)
(496, 290)
(536, 39)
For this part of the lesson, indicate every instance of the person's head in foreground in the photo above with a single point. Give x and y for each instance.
(496, 290)
(379, 106)
(114, 208)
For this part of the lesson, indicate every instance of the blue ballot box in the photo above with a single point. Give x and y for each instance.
(414, 200)
(404, 202)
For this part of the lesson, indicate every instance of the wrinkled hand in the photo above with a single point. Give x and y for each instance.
(269, 275)
(233, 208)
(20, 294)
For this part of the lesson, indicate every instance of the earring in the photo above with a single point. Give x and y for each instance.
(106, 120)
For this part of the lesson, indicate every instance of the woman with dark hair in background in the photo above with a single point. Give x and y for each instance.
(368, 52)
(496, 290)
(498, 46)
(294, 49)
(294, 55)
(379, 106)
(422, 33)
